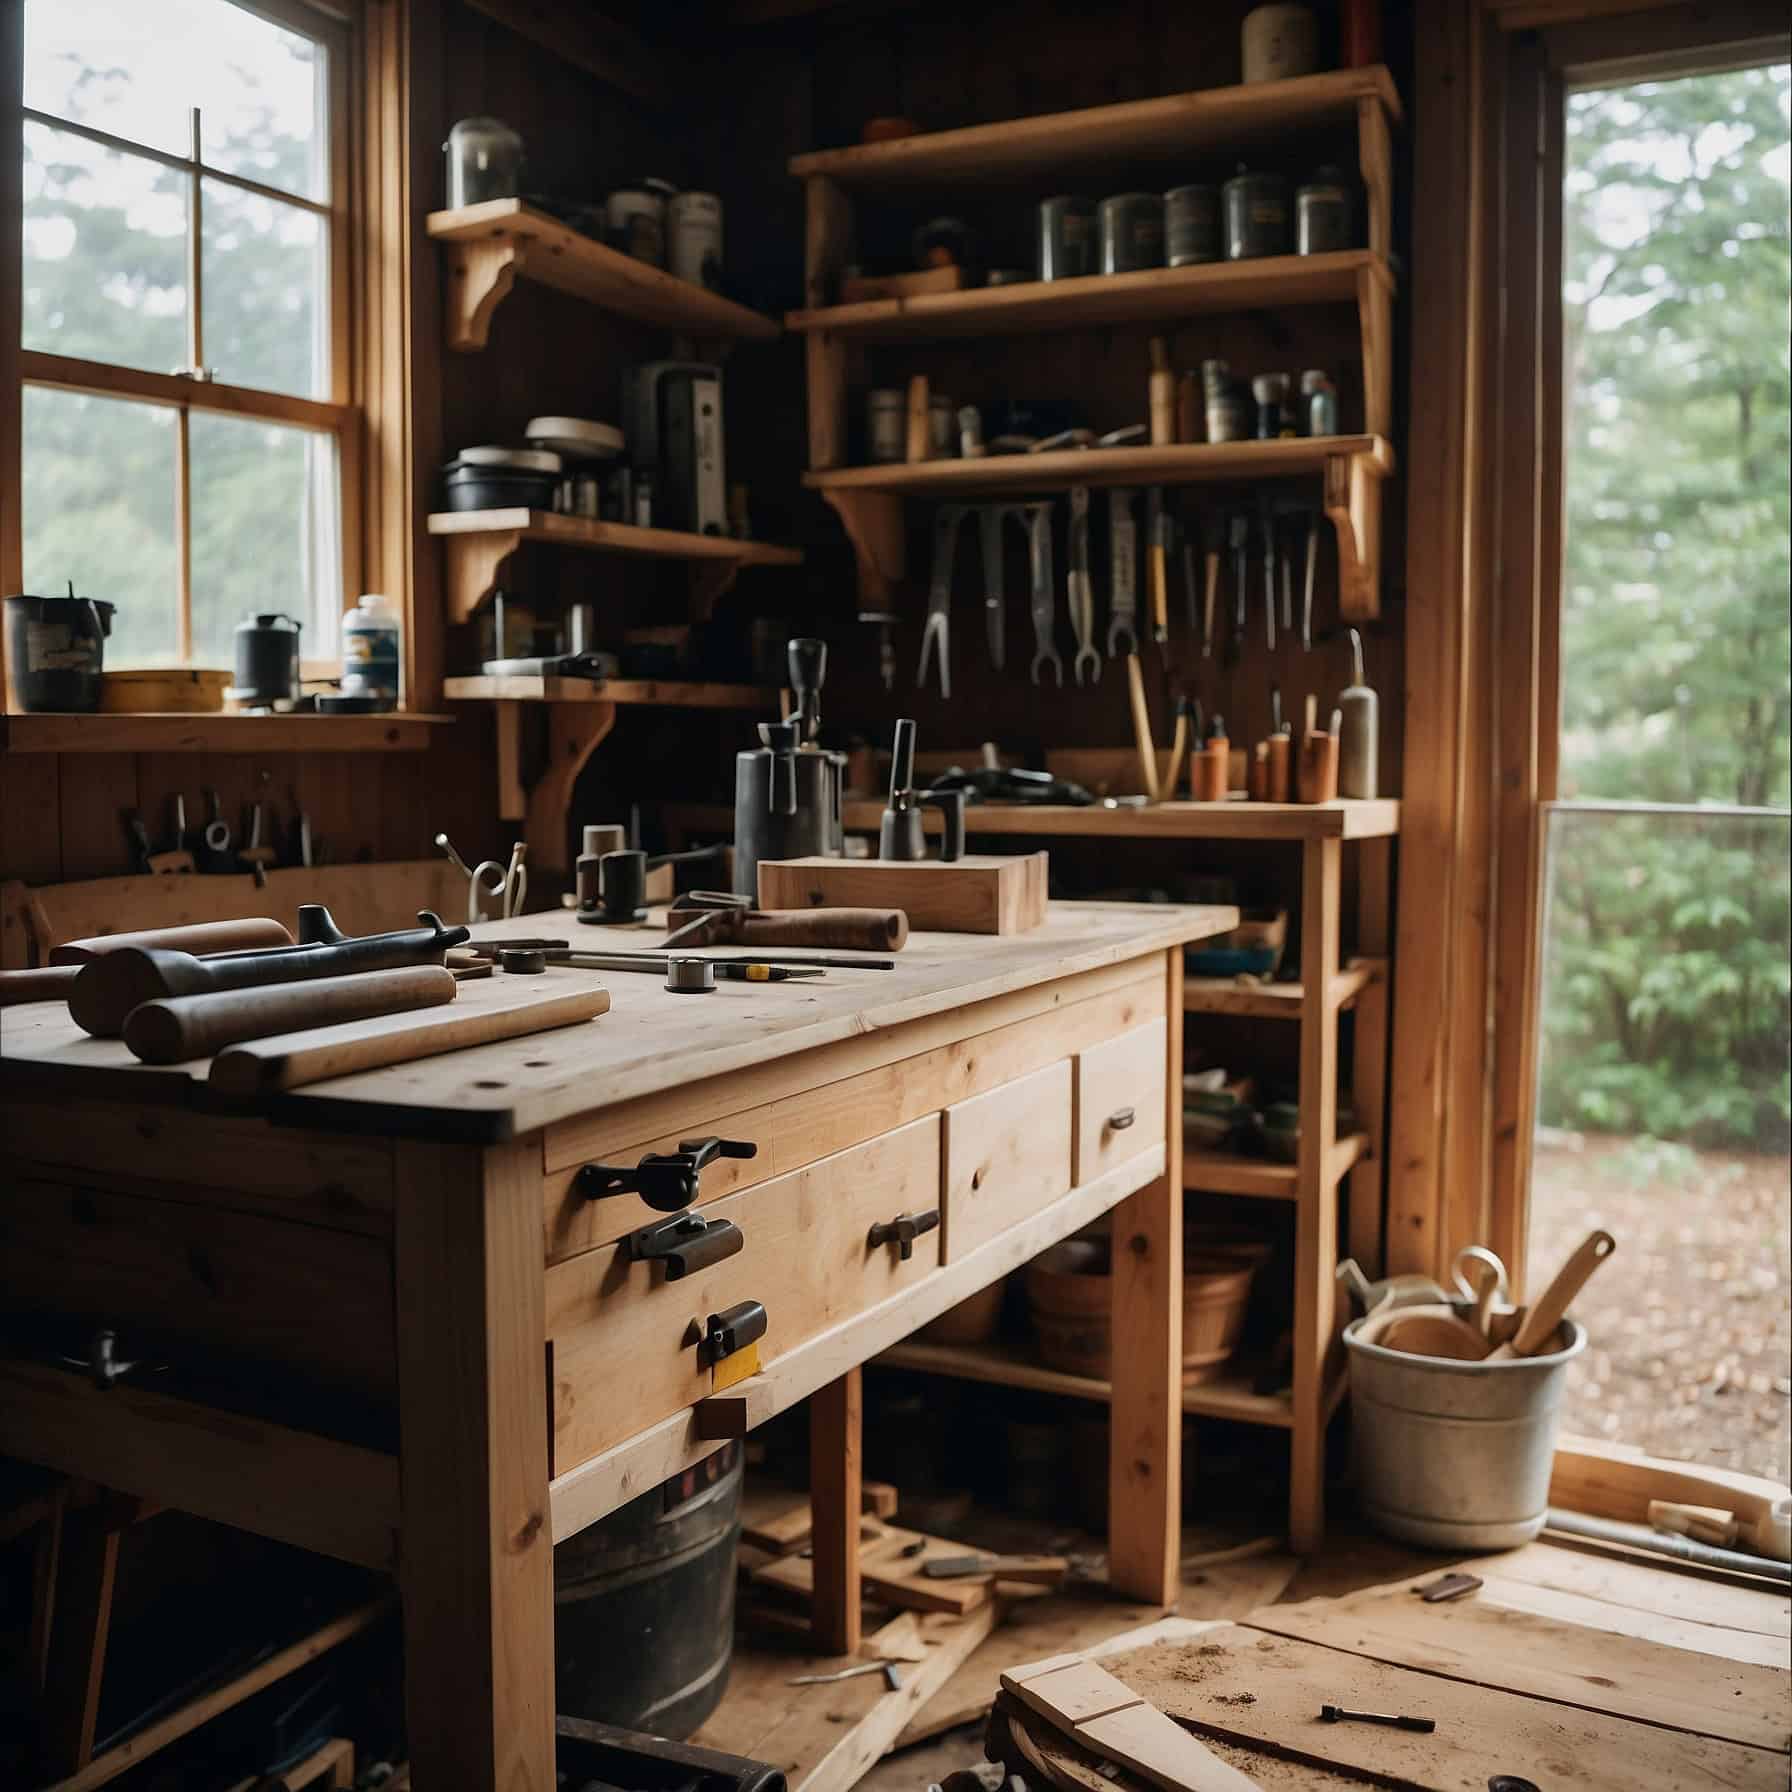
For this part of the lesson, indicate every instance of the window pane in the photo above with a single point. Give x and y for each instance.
(99, 508)
(266, 532)
(136, 68)
(263, 280)
(105, 254)
(1675, 638)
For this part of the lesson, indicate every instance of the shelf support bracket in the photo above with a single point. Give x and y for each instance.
(711, 581)
(873, 523)
(1353, 502)
(575, 731)
(480, 276)
(476, 568)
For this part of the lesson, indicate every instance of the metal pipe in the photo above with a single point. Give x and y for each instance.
(1666, 1543)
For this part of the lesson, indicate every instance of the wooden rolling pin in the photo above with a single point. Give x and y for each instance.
(50, 984)
(201, 937)
(177, 1028)
(291, 1060)
(830, 929)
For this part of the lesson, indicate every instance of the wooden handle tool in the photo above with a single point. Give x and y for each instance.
(919, 443)
(1043, 1571)
(1141, 727)
(1537, 1330)
(178, 1028)
(201, 937)
(835, 929)
(52, 983)
(482, 1015)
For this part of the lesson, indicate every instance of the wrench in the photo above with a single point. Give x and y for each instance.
(989, 528)
(1079, 593)
(937, 633)
(1039, 554)
(1123, 559)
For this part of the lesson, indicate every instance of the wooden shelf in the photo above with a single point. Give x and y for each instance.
(491, 246)
(1226, 1396)
(480, 543)
(1343, 819)
(394, 732)
(1273, 1001)
(1099, 138)
(657, 692)
(1226, 1173)
(1151, 295)
(1189, 463)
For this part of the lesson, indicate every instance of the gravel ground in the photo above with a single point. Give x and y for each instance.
(1689, 1351)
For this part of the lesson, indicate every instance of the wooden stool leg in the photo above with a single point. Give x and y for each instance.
(80, 1618)
(836, 1415)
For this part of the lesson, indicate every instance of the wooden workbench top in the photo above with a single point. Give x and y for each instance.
(649, 1041)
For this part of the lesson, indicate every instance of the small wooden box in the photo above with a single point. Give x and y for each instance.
(975, 894)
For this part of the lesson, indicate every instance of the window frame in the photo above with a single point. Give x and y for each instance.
(338, 416)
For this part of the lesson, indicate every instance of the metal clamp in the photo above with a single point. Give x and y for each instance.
(903, 1230)
(665, 1180)
(1120, 1119)
(685, 1242)
(102, 1363)
(730, 1330)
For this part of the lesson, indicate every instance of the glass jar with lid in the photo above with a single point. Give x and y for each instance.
(485, 161)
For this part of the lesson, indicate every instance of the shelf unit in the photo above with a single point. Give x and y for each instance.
(1129, 140)
(479, 545)
(491, 246)
(216, 732)
(1341, 819)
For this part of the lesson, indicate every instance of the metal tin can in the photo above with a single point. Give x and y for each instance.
(1279, 42)
(1322, 214)
(1228, 412)
(886, 424)
(942, 427)
(1066, 237)
(1192, 225)
(1132, 232)
(1275, 416)
(1257, 221)
(694, 238)
(1319, 403)
(636, 222)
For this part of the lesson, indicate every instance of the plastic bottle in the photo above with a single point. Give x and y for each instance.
(370, 651)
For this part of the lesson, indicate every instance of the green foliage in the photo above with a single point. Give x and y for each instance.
(1666, 981)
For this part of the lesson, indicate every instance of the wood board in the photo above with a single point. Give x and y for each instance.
(979, 893)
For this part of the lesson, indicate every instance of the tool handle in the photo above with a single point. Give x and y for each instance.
(174, 1030)
(1160, 592)
(950, 804)
(1547, 1313)
(203, 936)
(902, 760)
(829, 929)
(52, 983)
(1141, 727)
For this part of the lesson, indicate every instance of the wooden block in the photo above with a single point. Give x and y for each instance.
(736, 1412)
(857, 289)
(980, 893)
(887, 1575)
(779, 1531)
(1070, 1691)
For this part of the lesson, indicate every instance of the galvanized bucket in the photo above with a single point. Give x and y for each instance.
(1455, 1455)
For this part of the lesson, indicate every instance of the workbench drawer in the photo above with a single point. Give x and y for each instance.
(1007, 1154)
(221, 1295)
(623, 1335)
(1120, 1099)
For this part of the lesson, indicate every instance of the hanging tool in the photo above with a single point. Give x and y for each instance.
(1306, 605)
(1080, 594)
(1213, 535)
(1240, 527)
(214, 838)
(1266, 518)
(1191, 589)
(1287, 593)
(1039, 557)
(989, 531)
(1159, 535)
(936, 637)
(1188, 726)
(1123, 585)
(1141, 727)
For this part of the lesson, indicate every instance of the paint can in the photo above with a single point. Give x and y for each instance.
(1132, 232)
(694, 238)
(1228, 406)
(886, 424)
(1323, 207)
(1192, 225)
(1280, 42)
(1066, 237)
(1257, 215)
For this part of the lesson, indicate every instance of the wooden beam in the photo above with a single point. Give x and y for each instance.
(587, 39)
(836, 1416)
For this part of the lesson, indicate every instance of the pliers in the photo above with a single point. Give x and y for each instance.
(1123, 561)
(1080, 594)
(939, 598)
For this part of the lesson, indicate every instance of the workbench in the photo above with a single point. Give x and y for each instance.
(396, 1330)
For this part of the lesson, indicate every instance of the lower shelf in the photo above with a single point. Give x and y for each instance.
(1226, 1173)
(1226, 1396)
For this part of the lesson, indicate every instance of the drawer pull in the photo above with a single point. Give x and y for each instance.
(730, 1330)
(685, 1242)
(1120, 1119)
(903, 1230)
(666, 1180)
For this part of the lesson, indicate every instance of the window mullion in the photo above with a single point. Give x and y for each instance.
(183, 538)
(195, 290)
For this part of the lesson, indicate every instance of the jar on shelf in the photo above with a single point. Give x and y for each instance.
(485, 161)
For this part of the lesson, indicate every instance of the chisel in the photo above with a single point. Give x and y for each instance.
(1159, 537)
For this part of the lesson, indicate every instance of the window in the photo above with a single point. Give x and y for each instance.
(186, 430)
(1664, 1094)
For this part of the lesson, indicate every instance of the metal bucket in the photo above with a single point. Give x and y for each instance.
(1454, 1455)
(644, 1604)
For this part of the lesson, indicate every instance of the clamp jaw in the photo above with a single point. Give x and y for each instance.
(665, 1180)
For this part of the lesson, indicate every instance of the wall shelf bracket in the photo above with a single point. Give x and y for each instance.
(874, 524)
(480, 276)
(1353, 502)
(574, 733)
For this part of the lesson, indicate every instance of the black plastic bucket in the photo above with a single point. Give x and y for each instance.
(644, 1604)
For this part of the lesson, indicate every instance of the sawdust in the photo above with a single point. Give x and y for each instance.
(1235, 1698)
